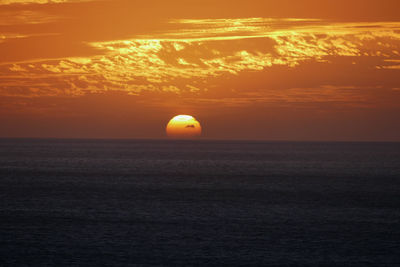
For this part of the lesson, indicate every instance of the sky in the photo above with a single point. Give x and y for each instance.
(258, 70)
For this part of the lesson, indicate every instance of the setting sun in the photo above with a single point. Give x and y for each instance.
(183, 127)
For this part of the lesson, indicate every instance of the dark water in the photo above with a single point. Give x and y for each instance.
(142, 203)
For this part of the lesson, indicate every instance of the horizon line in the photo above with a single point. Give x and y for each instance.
(196, 140)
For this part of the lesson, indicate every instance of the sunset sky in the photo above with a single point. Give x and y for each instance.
(254, 69)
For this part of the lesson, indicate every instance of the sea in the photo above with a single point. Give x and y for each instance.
(198, 203)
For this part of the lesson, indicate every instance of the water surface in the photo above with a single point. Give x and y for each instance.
(157, 203)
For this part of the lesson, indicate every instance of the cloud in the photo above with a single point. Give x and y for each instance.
(9, 2)
(393, 64)
(188, 59)
(19, 17)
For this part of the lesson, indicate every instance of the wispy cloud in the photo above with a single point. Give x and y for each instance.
(183, 60)
(9, 2)
(4, 37)
(9, 18)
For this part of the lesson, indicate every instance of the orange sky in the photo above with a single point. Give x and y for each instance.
(272, 70)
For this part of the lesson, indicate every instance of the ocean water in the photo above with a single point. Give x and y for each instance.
(203, 203)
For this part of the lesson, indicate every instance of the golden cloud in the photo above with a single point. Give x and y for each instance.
(183, 60)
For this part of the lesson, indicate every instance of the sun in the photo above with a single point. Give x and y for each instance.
(183, 127)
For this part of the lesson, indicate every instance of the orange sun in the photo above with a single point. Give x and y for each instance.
(183, 127)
